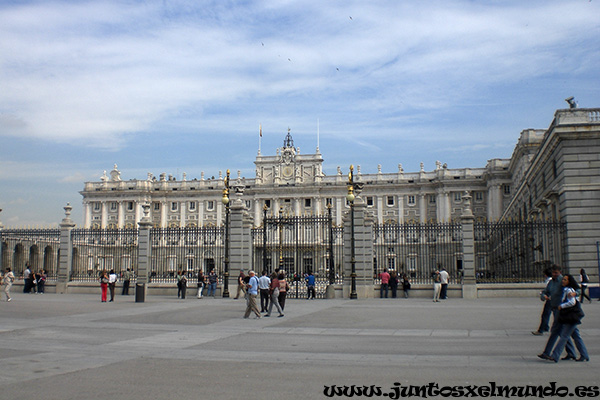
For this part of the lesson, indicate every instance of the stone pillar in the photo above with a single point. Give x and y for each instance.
(363, 251)
(240, 239)
(469, 289)
(144, 255)
(65, 261)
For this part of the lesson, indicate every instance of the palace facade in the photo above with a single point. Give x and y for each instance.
(295, 184)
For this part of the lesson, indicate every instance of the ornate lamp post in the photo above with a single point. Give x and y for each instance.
(331, 260)
(225, 201)
(265, 208)
(350, 197)
(280, 223)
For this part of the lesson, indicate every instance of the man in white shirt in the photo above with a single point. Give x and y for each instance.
(445, 278)
(112, 281)
(263, 285)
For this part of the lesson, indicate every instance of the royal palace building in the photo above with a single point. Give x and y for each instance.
(296, 184)
(553, 174)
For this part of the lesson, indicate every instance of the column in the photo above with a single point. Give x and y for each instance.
(65, 261)
(121, 214)
(339, 207)
(104, 218)
(469, 289)
(163, 214)
(363, 251)
(379, 200)
(182, 215)
(87, 215)
(220, 212)
(401, 209)
(144, 256)
(297, 211)
(317, 206)
(422, 208)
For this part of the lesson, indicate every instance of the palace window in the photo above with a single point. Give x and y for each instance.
(192, 206)
(390, 200)
(457, 197)
(370, 201)
(411, 200)
(210, 205)
(174, 206)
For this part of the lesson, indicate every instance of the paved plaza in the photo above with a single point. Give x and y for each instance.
(75, 347)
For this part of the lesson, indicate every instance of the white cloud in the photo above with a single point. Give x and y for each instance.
(99, 71)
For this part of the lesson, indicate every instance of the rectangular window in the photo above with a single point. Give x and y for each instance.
(329, 201)
(268, 203)
(248, 204)
(210, 205)
(113, 205)
(130, 205)
(457, 197)
(192, 205)
(478, 196)
(307, 203)
(156, 206)
(506, 189)
(174, 206)
(432, 199)
(411, 200)
(97, 206)
(370, 201)
(390, 200)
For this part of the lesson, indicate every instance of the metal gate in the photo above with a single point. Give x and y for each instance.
(299, 246)
(417, 249)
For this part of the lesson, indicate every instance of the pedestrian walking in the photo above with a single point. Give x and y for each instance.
(7, 281)
(264, 282)
(274, 291)
(252, 294)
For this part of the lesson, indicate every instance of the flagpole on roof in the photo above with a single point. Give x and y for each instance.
(259, 137)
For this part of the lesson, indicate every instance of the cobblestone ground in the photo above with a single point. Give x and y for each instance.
(75, 347)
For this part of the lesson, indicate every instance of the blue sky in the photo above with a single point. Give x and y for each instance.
(182, 86)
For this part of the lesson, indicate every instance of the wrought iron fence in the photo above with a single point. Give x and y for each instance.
(95, 250)
(517, 251)
(417, 249)
(189, 249)
(299, 245)
(38, 247)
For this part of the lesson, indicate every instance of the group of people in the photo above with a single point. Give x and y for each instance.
(209, 282)
(108, 282)
(441, 278)
(32, 282)
(560, 298)
(390, 282)
(273, 292)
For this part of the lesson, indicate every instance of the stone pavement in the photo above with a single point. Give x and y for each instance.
(75, 347)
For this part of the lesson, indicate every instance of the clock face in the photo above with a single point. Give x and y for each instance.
(287, 171)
